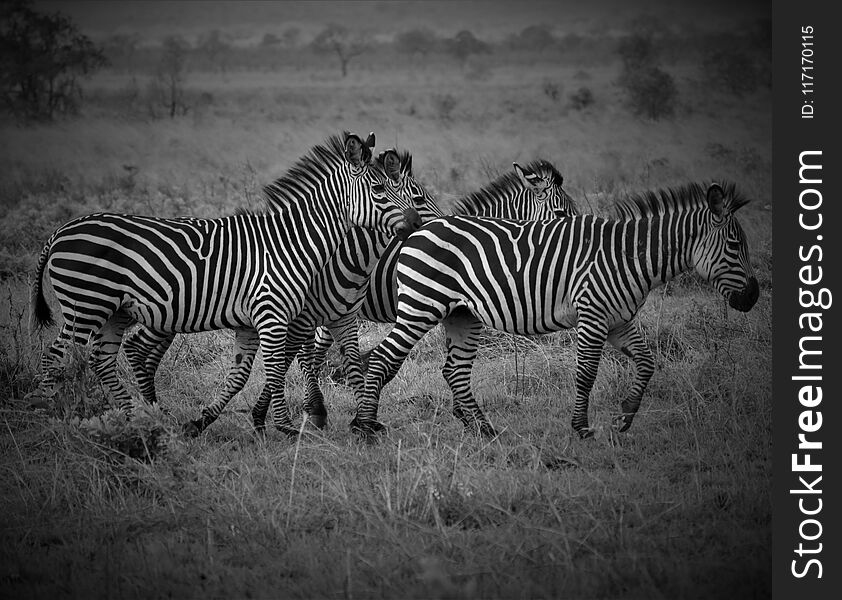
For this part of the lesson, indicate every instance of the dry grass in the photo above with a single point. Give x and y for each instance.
(677, 507)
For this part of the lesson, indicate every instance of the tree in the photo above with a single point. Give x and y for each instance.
(416, 41)
(291, 36)
(168, 84)
(535, 38)
(121, 49)
(269, 40)
(215, 48)
(41, 58)
(336, 38)
(464, 43)
(651, 90)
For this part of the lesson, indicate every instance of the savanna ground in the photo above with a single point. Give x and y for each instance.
(679, 506)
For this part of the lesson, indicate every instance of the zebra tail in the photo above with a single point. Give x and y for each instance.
(42, 316)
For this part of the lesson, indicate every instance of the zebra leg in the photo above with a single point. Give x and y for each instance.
(346, 333)
(314, 401)
(323, 342)
(386, 360)
(630, 342)
(591, 333)
(144, 349)
(246, 343)
(272, 343)
(300, 342)
(462, 330)
(52, 362)
(104, 358)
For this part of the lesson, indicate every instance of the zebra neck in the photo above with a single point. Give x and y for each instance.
(311, 232)
(670, 241)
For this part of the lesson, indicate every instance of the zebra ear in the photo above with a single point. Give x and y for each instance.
(354, 150)
(367, 148)
(530, 180)
(392, 165)
(716, 200)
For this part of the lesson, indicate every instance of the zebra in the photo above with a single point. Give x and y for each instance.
(587, 272)
(332, 301)
(188, 275)
(531, 192)
(339, 290)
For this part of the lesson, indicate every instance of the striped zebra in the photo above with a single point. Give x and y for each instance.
(338, 292)
(332, 301)
(188, 275)
(531, 192)
(536, 277)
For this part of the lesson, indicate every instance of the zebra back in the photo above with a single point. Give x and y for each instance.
(531, 192)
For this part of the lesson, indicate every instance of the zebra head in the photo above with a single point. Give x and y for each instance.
(397, 167)
(722, 255)
(542, 181)
(376, 205)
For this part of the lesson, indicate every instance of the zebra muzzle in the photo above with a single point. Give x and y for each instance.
(744, 300)
(411, 223)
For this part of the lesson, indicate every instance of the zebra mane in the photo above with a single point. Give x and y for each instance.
(685, 198)
(497, 191)
(316, 164)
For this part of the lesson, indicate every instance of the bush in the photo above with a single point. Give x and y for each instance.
(733, 71)
(651, 90)
(444, 104)
(652, 93)
(117, 438)
(582, 99)
(551, 90)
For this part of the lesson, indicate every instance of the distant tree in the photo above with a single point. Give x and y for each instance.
(215, 48)
(167, 86)
(41, 58)
(270, 40)
(571, 41)
(337, 39)
(464, 44)
(651, 90)
(535, 38)
(416, 41)
(291, 37)
(121, 49)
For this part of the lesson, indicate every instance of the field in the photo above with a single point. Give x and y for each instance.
(677, 507)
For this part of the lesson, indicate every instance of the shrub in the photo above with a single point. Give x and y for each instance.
(733, 71)
(444, 104)
(583, 98)
(117, 438)
(551, 90)
(651, 90)
(652, 93)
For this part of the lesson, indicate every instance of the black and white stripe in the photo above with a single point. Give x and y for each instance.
(532, 277)
(188, 275)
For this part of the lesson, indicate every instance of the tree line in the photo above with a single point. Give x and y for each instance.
(44, 56)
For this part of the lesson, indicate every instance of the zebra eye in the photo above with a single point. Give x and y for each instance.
(378, 189)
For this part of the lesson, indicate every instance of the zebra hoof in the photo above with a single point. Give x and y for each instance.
(624, 421)
(192, 429)
(367, 428)
(487, 431)
(318, 421)
(290, 432)
(585, 433)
